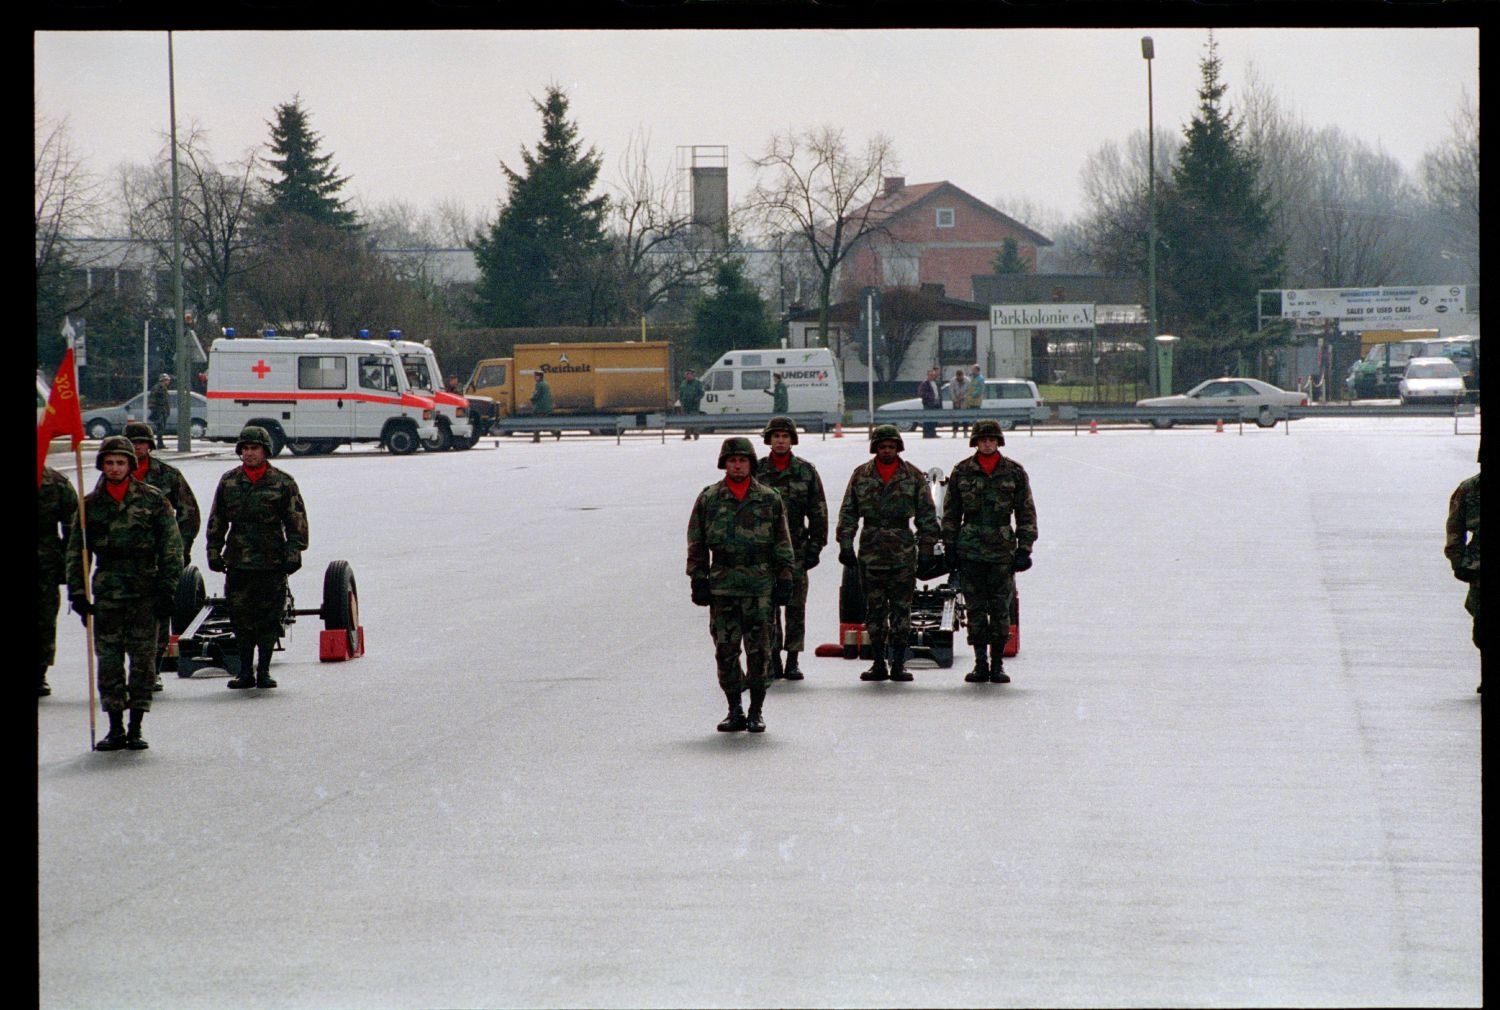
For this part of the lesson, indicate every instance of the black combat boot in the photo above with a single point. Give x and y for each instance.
(753, 722)
(115, 738)
(133, 738)
(263, 669)
(898, 661)
(877, 670)
(42, 687)
(246, 675)
(775, 660)
(997, 663)
(981, 672)
(789, 670)
(735, 720)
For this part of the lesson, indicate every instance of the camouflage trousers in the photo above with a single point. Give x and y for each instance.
(736, 622)
(121, 631)
(988, 590)
(46, 620)
(257, 603)
(1471, 604)
(888, 602)
(791, 630)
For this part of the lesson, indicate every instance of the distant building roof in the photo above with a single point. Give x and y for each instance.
(897, 198)
(1020, 289)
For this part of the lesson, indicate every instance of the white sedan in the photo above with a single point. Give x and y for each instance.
(997, 393)
(1240, 394)
(1431, 380)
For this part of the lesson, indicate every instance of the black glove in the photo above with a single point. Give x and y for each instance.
(163, 607)
(1464, 574)
(215, 562)
(702, 596)
(293, 562)
(930, 565)
(82, 607)
(847, 556)
(1021, 562)
(781, 594)
(810, 557)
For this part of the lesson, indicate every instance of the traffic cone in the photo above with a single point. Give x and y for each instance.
(1219, 425)
(838, 429)
(1093, 427)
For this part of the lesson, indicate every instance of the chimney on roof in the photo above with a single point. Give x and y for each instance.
(894, 184)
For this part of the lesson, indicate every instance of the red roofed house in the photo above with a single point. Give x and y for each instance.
(933, 233)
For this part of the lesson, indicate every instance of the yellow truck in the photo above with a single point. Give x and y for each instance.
(586, 378)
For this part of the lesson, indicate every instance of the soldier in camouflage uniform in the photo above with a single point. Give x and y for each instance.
(800, 487)
(1461, 545)
(56, 512)
(740, 561)
(171, 483)
(257, 531)
(159, 407)
(131, 532)
(989, 525)
(887, 494)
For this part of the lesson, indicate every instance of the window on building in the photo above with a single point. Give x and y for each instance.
(957, 345)
(322, 372)
(945, 217)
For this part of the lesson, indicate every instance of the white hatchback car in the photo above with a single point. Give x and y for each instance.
(1431, 380)
(997, 393)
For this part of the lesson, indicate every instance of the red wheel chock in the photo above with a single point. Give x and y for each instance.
(339, 644)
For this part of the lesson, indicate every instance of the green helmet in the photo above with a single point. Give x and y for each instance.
(114, 445)
(139, 431)
(779, 423)
(986, 429)
(253, 434)
(886, 432)
(739, 445)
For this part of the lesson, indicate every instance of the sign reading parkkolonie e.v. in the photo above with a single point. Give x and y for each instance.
(1043, 316)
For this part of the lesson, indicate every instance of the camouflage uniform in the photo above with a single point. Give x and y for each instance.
(741, 547)
(257, 531)
(1461, 545)
(137, 563)
(169, 480)
(56, 510)
(987, 519)
(887, 548)
(801, 489)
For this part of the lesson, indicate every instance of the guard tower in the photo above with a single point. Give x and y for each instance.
(703, 186)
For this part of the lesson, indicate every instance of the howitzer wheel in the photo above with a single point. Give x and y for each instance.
(340, 610)
(188, 599)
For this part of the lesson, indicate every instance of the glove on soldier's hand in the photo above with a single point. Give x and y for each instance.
(847, 556)
(82, 607)
(292, 563)
(930, 566)
(781, 594)
(1021, 562)
(215, 562)
(1464, 574)
(810, 557)
(162, 608)
(701, 594)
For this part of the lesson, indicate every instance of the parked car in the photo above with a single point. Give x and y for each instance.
(1240, 394)
(997, 393)
(106, 421)
(1431, 380)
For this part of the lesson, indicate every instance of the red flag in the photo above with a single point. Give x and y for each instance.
(63, 417)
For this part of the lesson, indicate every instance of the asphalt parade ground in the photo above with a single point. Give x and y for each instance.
(1238, 765)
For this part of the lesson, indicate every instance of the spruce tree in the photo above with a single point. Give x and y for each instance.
(1009, 260)
(1217, 248)
(309, 184)
(733, 316)
(541, 260)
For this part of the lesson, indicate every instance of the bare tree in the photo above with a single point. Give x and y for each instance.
(1112, 233)
(218, 206)
(824, 194)
(658, 247)
(1450, 182)
(68, 205)
(904, 313)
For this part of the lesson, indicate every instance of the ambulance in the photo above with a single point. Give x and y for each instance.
(741, 382)
(454, 430)
(318, 392)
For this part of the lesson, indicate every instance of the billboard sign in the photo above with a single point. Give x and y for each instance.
(1043, 316)
(1362, 308)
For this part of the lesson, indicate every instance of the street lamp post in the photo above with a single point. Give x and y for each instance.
(1148, 53)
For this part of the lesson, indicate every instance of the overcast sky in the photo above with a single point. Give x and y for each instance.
(426, 116)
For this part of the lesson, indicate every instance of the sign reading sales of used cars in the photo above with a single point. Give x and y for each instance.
(1362, 308)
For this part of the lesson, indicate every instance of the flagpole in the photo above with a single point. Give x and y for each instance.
(88, 579)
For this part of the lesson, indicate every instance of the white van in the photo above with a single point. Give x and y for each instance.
(454, 430)
(740, 382)
(320, 392)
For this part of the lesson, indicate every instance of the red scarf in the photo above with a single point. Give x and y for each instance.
(781, 462)
(256, 474)
(887, 470)
(987, 463)
(738, 488)
(117, 491)
(140, 470)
